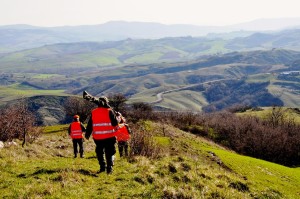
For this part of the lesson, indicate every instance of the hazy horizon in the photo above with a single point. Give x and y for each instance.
(190, 12)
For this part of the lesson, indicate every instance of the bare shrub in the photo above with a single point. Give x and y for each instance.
(276, 138)
(33, 134)
(117, 101)
(142, 142)
(17, 122)
(140, 111)
(276, 116)
(78, 106)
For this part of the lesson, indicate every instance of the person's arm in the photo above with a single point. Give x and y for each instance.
(69, 130)
(113, 118)
(89, 129)
(82, 127)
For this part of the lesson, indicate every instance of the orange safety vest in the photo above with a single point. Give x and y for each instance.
(102, 127)
(76, 131)
(123, 134)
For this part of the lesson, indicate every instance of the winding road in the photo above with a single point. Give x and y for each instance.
(160, 97)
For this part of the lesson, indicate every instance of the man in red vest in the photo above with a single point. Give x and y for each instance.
(76, 130)
(103, 126)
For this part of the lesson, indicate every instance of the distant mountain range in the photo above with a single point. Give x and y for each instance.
(143, 60)
(18, 37)
(68, 58)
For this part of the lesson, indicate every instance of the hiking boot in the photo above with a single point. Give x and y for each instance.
(109, 170)
(101, 170)
(75, 156)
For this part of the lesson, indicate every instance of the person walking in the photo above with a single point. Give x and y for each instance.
(103, 126)
(123, 135)
(76, 130)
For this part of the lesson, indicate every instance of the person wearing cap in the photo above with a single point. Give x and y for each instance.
(103, 126)
(76, 130)
(123, 135)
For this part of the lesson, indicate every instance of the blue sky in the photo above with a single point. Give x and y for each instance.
(196, 12)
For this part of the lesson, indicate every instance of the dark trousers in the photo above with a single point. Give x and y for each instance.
(78, 142)
(105, 147)
(123, 148)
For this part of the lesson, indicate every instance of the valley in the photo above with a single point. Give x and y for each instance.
(172, 73)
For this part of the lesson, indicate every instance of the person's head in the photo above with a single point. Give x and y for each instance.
(76, 117)
(103, 102)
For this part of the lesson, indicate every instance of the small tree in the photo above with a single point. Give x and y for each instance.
(140, 111)
(276, 116)
(77, 106)
(117, 101)
(17, 122)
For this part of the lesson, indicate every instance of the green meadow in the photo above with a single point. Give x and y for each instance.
(289, 114)
(17, 91)
(186, 166)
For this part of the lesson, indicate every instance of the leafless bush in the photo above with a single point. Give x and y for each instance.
(17, 122)
(269, 140)
(117, 101)
(140, 111)
(142, 143)
(276, 139)
(77, 106)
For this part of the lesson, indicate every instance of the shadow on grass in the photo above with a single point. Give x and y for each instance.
(52, 171)
(87, 173)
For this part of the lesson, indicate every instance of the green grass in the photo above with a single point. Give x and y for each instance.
(264, 77)
(17, 91)
(278, 180)
(290, 97)
(289, 114)
(46, 76)
(189, 167)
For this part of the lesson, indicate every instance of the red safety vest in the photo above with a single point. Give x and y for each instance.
(123, 134)
(102, 127)
(76, 131)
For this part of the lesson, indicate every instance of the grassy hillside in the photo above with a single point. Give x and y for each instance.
(143, 82)
(186, 167)
(266, 111)
(17, 91)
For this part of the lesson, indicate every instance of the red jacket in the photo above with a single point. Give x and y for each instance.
(102, 127)
(75, 130)
(123, 133)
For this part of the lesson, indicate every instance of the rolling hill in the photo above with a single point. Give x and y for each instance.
(20, 37)
(260, 72)
(179, 69)
(185, 166)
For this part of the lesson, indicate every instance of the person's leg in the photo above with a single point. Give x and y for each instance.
(75, 147)
(126, 148)
(100, 154)
(110, 151)
(121, 147)
(80, 143)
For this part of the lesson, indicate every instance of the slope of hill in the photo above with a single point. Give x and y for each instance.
(147, 81)
(288, 39)
(143, 82)
(187, 166)
(64, 58)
